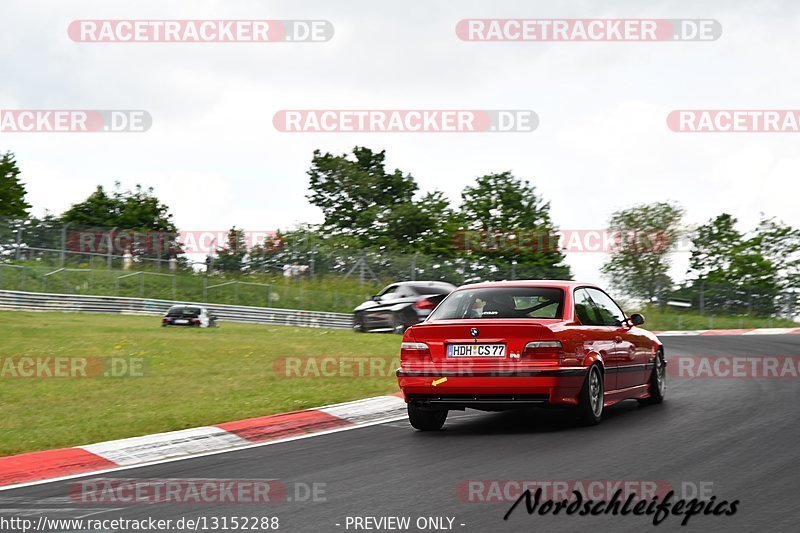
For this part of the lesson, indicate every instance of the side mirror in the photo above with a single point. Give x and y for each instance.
(636, 319)
(375, 298)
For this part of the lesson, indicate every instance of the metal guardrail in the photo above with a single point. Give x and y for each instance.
(75, 303)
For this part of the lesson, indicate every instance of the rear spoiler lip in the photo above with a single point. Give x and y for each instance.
(543, 322)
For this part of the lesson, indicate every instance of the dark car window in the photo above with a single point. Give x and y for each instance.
(390, 293)
(609, 311)
(192, 312)
(585, 310)
(501, 302)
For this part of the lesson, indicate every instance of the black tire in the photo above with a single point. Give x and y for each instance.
(426, 419)
(590, 401)
(658, 382)
(398, 324)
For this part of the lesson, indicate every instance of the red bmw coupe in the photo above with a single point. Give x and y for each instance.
(503, 345)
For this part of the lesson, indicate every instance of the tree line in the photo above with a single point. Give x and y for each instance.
(372, 211)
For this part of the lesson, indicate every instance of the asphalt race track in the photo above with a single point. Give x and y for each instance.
(739, 438)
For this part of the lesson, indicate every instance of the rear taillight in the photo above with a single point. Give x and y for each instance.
(414, 351)
(165, 319)
(424, 304)
(195, 321)
(543, 350)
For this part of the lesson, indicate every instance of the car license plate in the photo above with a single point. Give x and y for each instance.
(180, 321)
(476, 350)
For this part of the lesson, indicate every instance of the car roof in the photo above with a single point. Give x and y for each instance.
(555, 283)
(443, 283)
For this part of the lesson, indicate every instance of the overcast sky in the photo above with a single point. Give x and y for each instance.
(213, 155)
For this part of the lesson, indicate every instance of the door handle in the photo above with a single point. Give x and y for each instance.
(617, 339)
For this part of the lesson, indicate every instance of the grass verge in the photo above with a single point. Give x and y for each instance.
(664, 320)
(193, 377)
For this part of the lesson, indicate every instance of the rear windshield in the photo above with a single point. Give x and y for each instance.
(432, 289)
(184, 311)
(502, 302)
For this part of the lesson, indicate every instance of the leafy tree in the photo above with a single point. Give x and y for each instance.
(12, 190)
(130, 212)
(356, 194)
(266, 256)
(639, 265)
(426, 226)
(502, 201)
(501, 207)
(231, 255)
(734, 273)
(714, 245)
(780, 245)
(136, 209)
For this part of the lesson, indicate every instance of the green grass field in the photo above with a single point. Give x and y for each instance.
(668, 319)
(193, 377)
(323, 293)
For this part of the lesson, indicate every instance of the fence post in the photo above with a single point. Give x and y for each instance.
(205, 287)
(269, 295)
(174, 287)
(141, 284)
(24, 275)
(414, 267)
(110, 245)
(19, 243)
(702, 297)
(64, 244)
(236, 293)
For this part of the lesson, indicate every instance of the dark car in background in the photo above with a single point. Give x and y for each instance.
(400, 306)
(190, 316)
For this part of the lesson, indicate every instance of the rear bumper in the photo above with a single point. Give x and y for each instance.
(492, 389)
(387, 321)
